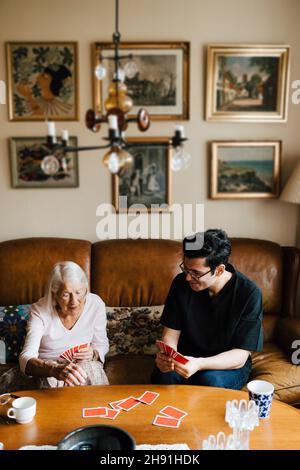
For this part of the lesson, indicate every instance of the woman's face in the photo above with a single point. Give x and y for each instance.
(71, 298)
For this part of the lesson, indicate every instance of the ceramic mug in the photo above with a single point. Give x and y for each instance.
(23, 410)
(262, 393)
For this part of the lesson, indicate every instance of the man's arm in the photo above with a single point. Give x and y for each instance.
(171, 337)
(233, 359)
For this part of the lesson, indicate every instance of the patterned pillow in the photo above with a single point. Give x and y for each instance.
(133, 330)
(13, 321)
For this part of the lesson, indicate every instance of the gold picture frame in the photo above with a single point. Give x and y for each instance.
(42, 81)
(26, 156)
(161, 81)
(148, 182)
(247, 83)
(245, 169)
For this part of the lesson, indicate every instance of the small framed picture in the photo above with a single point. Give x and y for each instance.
(157, 77)
(247, 83)
(148, 181)
(26, 157)
(243, 169)
(42, 81)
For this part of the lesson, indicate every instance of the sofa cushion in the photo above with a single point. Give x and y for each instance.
(13, 321)
(133, 330)
(273, 365)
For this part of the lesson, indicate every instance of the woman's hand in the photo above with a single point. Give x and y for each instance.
(71, 374)
(164, 362)
(83, 356)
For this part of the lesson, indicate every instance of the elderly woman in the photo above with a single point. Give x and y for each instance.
(66, 317)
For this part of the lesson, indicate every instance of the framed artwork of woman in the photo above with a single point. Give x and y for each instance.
(42, 81)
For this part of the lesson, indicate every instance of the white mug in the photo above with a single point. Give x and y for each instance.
(262, 393)
(23, 410)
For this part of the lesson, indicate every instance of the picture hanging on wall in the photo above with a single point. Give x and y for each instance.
(148, 180)
(42, 81)
(243, 170)
(247, 83)
(157, 77)
(28, 162)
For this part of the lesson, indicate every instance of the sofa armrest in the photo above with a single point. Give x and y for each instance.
(288, 331)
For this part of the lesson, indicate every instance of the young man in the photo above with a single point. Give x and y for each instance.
(213, 316)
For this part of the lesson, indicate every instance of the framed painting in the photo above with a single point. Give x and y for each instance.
(247, 83)
(157, 77)
(26, 157)
(148, 180)
(42, 81)
(245, 169)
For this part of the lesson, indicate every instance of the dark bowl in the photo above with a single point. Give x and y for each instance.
(97, 437)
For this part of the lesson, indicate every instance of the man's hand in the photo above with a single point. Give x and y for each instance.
(190, 368)
(70, 373)
(164, 362)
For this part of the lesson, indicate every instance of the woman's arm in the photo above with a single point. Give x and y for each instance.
(70, 373)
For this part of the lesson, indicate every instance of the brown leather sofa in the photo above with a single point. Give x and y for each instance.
(139, 273)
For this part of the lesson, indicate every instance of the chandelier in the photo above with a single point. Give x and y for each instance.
(117, 159)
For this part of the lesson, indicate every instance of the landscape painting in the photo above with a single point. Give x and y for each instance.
(245, 170)
(247, 83)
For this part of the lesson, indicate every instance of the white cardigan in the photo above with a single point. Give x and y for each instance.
(47, 337)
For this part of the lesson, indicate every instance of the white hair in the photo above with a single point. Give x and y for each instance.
(66, 271)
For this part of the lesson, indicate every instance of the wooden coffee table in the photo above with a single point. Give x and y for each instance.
(59, 411)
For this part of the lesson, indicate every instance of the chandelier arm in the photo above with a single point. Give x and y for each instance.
(79, 149)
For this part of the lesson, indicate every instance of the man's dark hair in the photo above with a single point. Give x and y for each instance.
(213, 245)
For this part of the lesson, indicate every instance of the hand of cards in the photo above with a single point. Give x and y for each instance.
(170, 352)
(69, 354)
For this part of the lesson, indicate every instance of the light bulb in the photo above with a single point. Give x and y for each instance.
(130, 69)
(114, 163)
(50, 165)
(180, 159)
(100, 71)
(119, 75)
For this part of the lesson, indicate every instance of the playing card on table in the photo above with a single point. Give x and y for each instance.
(115, 404)
(94, 412)
(129, 403)
(173, 412)
(111, 414)
(148, 397)
(166, 422)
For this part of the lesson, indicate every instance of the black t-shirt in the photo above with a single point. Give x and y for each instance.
(210, 325)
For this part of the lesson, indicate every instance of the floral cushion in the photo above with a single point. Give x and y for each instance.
(133, 330)
(13, 321)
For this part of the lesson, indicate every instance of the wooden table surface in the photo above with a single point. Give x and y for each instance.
(59, 411)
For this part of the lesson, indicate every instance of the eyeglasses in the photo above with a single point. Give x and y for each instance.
(194, 274)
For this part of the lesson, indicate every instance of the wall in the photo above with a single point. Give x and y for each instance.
(72, 212)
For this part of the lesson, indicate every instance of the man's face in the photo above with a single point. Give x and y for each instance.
(197, 266)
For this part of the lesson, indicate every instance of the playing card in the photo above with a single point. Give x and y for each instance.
(166, 422)
(99, 412)
(180, 358)
(173, 412)
(83, 347)
(111, 414)
(115, 404)
(148, 397)
(160, 345)
(129, 404)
